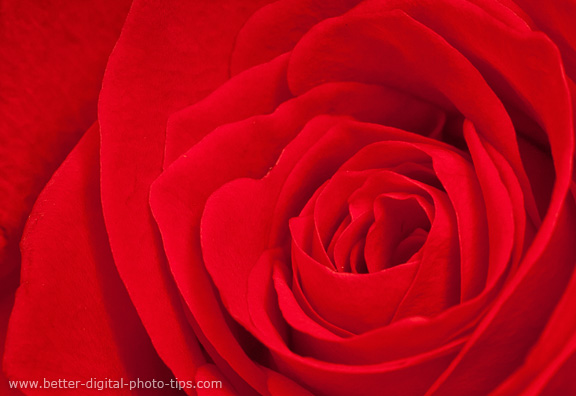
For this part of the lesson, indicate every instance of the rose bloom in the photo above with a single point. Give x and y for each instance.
(296, 197)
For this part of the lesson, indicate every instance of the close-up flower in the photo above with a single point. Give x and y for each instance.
(289, 197)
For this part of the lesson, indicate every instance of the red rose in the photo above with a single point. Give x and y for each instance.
(291, 198)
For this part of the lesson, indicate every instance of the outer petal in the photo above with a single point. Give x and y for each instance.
(170, 54)
(257, 91)
(209, 373)
(72, 318)
(8, 286)
(556, 19)
(519, 313)
(53, 57)
(555, 348)
(277, 27)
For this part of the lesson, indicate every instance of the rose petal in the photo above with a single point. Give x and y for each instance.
(156, 69)
(209, 373)
(554, 349)
(354, 302)
(8, 287)
(297, 311)
(282, 386)
(257, 91)
(423, 79)
(521, 311)
(277, 27)
(177, 199)
(53, 58)
(556, 21)
(562, 380)
(72, 318)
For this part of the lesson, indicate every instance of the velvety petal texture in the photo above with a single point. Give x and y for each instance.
(180, 72)
(303, 197)
(53, 59)
(95, 332)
